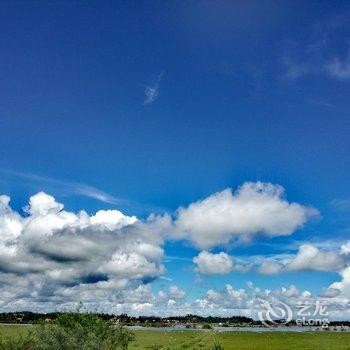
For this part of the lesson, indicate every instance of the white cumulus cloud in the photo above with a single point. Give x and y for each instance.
(58, 251)
(52, 257)
(255, 209)
(211, 264)
(310, 257)
(271, 267)
(307, 258)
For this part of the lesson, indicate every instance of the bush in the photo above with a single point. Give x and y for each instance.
(207, 326)
(217, 346)
(72, 331)
(15, 343)
(124, 337)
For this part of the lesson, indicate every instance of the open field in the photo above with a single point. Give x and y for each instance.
(163, 340)
(242, 340)
(13, 330)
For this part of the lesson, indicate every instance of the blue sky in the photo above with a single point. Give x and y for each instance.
(145, 107)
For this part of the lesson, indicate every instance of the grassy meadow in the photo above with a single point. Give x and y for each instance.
(241, 340)
(176, 340)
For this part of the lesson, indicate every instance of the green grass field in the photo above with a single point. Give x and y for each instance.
(163, 340)
(241, 340)
(13, 330)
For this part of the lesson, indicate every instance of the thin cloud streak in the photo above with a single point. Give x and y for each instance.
(76, 188)
(152, 91)
(316, 52)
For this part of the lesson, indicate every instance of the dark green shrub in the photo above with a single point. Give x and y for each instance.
(72, 331)
(123, 337)
(207, 326)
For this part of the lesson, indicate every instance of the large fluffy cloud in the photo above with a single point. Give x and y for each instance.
(50, 256)
(343, 286)
(255, 209)
(308, 258)
(54, 253)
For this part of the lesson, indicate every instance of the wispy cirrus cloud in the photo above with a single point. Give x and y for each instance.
(336, 68)
(295, 70)
(152, 91)
(67, 187)
(316, 53)
(341, 204)
(339, 68)
(92, 192)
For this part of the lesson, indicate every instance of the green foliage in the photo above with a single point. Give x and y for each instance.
(72, 331)
(207, 326)
(199, 340)
(25, 317)
(217, 346)
(22, 342)
(124, 337)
